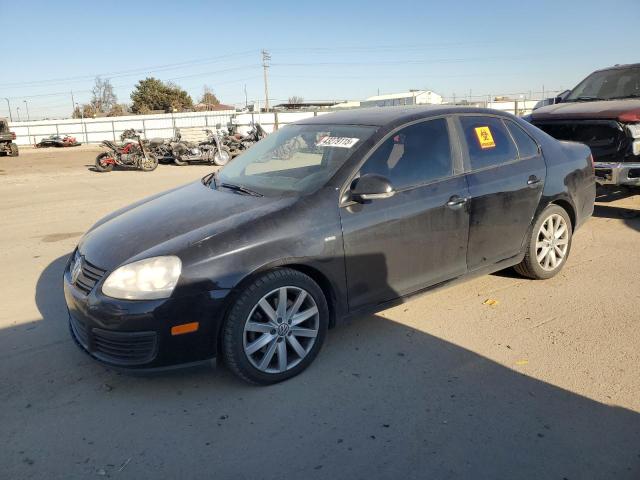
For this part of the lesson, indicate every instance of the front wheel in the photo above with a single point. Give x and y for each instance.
(149, 162)
(222, 156)
(13, 150)
(275, 328)
(104, 162)
(549, 244)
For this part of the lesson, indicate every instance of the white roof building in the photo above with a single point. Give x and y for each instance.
(413, 97)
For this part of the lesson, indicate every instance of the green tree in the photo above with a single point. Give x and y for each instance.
(153, 94)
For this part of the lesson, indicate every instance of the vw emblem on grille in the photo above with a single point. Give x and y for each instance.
(77, 268)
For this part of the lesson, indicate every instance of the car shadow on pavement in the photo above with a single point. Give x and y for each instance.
(630, 216)
(382, 400)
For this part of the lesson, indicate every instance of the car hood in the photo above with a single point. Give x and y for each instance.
(605, 110)
(169, 222)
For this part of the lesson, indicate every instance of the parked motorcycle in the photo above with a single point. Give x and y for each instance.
(212, 150)
(237, 143)
(132, 153)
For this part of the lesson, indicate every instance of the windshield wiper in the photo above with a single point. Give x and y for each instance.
(585, 99)
(240, 188)
(208, 179)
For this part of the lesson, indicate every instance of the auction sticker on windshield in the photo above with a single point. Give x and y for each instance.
(340, 142)
(484, 137)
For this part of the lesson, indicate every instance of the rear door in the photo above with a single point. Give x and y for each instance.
(506, 174)
(418, 237)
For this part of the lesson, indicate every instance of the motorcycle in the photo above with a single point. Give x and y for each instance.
(238, 143)
(212, 150)
(132, 153)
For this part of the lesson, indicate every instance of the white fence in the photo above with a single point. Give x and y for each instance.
(94, 130)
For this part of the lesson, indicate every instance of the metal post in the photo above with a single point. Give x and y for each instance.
(265, 65)
(9, 107)
(113, 130)
(26, 105)
(275, 121)
(18, 113)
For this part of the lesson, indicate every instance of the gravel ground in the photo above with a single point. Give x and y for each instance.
(543, 384)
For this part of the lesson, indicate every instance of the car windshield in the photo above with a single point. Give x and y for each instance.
(608, 85)
(295, 159)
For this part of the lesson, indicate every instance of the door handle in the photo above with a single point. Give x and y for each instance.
(533, 180)
(456, 201)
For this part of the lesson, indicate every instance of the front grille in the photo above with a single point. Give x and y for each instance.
(124, 348)
(606, 138)
(88, 276)
(118, 348)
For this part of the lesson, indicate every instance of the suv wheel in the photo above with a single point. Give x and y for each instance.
(275, 327)
(549, 245)
(14, 150)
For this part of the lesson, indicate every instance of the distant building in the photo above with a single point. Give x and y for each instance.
(210, 107)
(347, 104)
(412, 97)
(312, 105)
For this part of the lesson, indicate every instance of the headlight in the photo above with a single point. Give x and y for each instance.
(146, 279)
(634, 129)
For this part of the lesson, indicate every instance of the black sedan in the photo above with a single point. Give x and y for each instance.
(327, 218)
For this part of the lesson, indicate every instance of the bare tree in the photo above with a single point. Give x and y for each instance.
(208, 97)
(103, 98)
(295, 100)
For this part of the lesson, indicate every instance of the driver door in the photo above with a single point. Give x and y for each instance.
(418, 237)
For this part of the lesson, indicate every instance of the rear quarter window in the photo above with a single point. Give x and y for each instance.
(527, 147)
(488, 141)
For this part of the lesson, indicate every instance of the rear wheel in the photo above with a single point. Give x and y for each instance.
(104, 162)
(222, 156)
(275, 327)
(13, 150)
(549, 245)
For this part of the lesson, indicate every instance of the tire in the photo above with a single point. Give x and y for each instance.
(252, 336)
(150, 164)
(222, 156)
(106, 167)
(538, 265)
(13, 150)
(179, 162)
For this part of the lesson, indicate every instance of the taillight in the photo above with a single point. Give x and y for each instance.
(13, 135)
(630, 116)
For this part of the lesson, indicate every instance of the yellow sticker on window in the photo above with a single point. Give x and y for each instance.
(484, 137)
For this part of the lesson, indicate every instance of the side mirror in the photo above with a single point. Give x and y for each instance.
(371, 187)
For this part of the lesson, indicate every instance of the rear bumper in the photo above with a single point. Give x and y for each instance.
(618, 173)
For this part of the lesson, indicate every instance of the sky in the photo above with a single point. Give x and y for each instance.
(325, 50)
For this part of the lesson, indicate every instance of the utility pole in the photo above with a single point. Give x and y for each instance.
(266, 57)
(246, 101)
(9, 107)
(26, 105)
(73, 104)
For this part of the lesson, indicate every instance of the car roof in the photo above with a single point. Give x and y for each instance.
(619, 67)
(381, 116)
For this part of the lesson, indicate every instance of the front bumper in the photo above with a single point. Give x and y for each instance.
(137, 334)
(618, 173)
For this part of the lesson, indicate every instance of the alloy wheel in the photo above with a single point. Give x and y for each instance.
(552, 242)
(281, 329)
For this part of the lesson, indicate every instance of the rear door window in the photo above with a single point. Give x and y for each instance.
(488, 141)
(526, 146)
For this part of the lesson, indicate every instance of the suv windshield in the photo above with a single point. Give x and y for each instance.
(4, 127)
(295, 159)
(608, 85)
